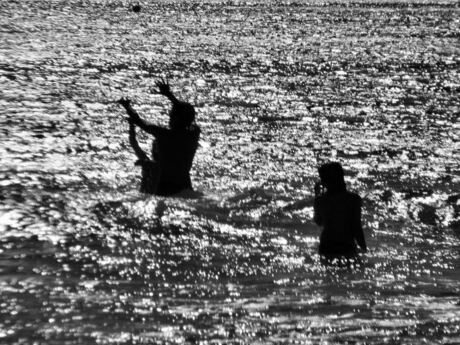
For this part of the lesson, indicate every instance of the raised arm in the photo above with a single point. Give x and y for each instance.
(135, 119)
(357, 226)
(141, 155)
(165, 90)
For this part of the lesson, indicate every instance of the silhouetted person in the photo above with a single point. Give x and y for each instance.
(176, 145)
(149, 166)
(338, 212)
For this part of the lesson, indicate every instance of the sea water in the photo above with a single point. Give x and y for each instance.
(279, 88)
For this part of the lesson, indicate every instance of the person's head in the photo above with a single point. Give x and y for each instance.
(181, 115)
(332, 177)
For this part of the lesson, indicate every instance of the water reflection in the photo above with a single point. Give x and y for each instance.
(84, 258)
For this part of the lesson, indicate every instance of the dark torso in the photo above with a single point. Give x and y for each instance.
(176, 150)
(337, 213)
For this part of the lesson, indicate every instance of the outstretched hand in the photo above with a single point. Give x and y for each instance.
(163, 88)
(124, 101)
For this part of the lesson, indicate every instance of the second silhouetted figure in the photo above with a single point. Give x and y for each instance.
(175, 146)
(338, 212)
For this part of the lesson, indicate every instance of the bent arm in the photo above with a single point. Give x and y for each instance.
(135, 119)
(141, 155)
(145, 126)
(126, 103)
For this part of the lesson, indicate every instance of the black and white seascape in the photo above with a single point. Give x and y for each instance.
(279, 88)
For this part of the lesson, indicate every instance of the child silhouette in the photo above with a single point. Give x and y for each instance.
(338, 212)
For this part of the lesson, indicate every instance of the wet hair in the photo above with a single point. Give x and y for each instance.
(332, 177)
(182, 114)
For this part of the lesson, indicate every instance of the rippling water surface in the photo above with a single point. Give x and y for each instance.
(279, 87)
